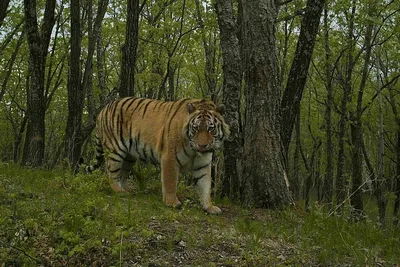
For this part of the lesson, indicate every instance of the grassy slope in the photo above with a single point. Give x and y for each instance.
(53, 218)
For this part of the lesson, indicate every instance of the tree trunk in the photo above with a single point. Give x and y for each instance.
(299, 69)
(232, 70)
(264, 174)
(18, 140)
(380, 183)
(328, 183)
(10, 66)
(295, 179)
(75, 89)
(357, 180)
(341, 190)
(38, 42)
(3, 10)
(129, 50)
(397, 179)
(210, 56)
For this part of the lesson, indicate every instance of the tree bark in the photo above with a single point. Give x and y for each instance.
(78, 87)
(298, 72)
(328, 183)
(38, 42)
(264, 174)
(397, 179)
(3, 10)
(75, 89)
(129, 50)
(210, 56)
(341, 191)
(232, 70)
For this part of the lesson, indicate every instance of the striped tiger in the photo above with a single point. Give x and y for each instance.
(180, 135)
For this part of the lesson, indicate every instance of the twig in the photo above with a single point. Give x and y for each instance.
(26, 254)
(344, 201)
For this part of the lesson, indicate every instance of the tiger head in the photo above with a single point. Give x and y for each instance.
(206, 128)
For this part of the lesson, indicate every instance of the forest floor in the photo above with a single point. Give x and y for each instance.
(51, 218)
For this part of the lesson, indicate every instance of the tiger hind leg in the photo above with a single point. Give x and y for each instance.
(99, 157)
(118, 173)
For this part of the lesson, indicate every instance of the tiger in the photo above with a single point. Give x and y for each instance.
(178, 135)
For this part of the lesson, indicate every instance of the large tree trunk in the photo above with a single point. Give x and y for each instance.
(129, 50)
(75, 89)
(299, 69)
(38, 42)
(231, 98)
(264, 174)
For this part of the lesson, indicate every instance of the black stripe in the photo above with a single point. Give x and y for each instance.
(131, 103)
(158, 103)
(114, 159)
(184, 150)
(118, 154)
(172, 105)
(130, 160)
(196, 179)
(201, 167)
(162, 103)
(137, 142)
(119, 149)
(145, 108)
(144, 153)
(176, 111)
(130, 144)
(153, 158)
(114, 171)
(138, 104)
(121, 135)
(162, 140)
(177, 159)
(123, 102)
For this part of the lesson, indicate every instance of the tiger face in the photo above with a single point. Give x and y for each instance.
(206, 128)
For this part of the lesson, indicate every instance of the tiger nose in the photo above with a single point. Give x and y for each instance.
(202, 146)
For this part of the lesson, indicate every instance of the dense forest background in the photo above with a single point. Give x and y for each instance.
(310, 86)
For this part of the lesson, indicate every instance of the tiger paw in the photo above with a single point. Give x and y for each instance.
(118, 188)
(172, 202)
(213, 209)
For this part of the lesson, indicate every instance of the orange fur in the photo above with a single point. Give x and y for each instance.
(179, 135)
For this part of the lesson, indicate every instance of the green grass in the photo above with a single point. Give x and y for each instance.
(54, 218)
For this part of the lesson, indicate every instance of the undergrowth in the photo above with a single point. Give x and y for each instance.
(55, 218)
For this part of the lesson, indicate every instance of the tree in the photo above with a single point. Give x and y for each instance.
(264, 174)
(3, 10)
(38, 42)
(80, 83)
(129, 49)
(231, 97)
(298, 72)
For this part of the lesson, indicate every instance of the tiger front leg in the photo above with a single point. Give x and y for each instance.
(202, 178)
(169, 178)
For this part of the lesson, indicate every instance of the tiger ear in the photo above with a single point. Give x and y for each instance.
(190, 108)
(221, 109)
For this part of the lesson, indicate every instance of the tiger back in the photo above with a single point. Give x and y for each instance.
(179, 135)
